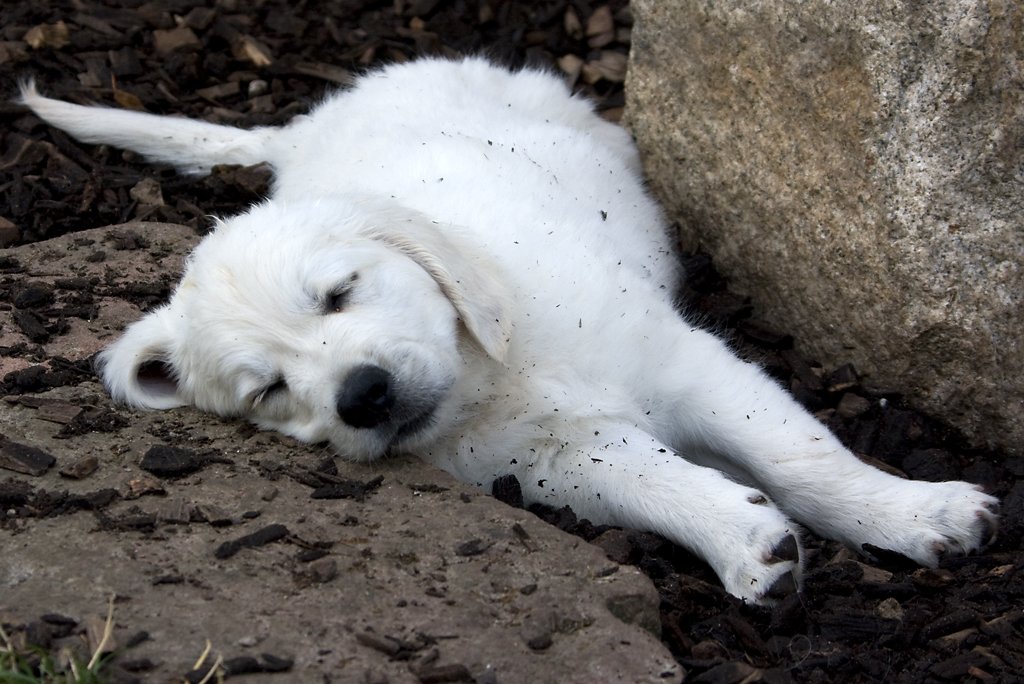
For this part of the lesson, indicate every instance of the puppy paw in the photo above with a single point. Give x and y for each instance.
(765, 567)
(926, 521)
(768, 575)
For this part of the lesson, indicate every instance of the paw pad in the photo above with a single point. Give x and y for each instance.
(785, 550)
(782, 587)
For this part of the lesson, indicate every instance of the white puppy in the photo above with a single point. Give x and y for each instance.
(462, 262)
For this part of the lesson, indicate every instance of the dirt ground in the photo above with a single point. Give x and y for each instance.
(267, 547)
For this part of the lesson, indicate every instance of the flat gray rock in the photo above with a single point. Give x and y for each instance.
(407, 576)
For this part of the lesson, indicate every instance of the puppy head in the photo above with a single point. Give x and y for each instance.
(333, 321)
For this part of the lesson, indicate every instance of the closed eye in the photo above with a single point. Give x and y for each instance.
(338, 298)
(270, 391)
(336, 301)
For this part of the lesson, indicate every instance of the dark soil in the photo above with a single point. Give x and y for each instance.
(259, 63)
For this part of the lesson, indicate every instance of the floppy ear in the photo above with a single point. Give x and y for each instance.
(137, 369)
(465, 276)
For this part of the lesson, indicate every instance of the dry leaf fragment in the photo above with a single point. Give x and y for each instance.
(53, 36)
(128, 100)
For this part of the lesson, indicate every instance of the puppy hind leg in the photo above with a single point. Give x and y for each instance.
(622, 476)
(730, 408)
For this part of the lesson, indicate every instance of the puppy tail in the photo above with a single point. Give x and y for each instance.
(191, 146)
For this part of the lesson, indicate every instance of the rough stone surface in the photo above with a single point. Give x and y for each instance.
(375, 587)
(858, 170)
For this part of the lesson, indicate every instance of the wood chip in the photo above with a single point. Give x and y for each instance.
(168, 461)
(80, 469)
(261, 537)
(572, 66)
(141, 486)
(220, 90)
(508, 490)
(96, 24)
(147, 192)
(200, 18)
(326, 72)
(175, 511)
(341, 488)
(473, 547)
(320, 571)
(53, 36)
(802, 370)
(610, 66)
(381, 644)
(213, 515)
(24, 459)
(12, 51)
(59, 412)
(437, 674)
(251, 50)
(600, 22)
(852, 405)
(874, 575)
(9, 232)
(842, 378)
(572, 24)
(182, 38)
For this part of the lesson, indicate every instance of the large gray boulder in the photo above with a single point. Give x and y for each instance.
(858, 170)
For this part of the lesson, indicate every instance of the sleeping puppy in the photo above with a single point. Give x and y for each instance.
(462, 262)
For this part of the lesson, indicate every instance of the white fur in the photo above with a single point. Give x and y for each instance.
(516, 281)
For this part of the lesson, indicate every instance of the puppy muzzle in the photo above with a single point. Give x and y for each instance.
(372, 399)
(367, 397)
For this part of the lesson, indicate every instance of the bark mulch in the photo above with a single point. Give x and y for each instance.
(259, 63)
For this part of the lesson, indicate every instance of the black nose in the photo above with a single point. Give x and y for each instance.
(366, 397)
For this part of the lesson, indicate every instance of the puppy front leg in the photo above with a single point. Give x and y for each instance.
(724, 405)
(620, 475)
